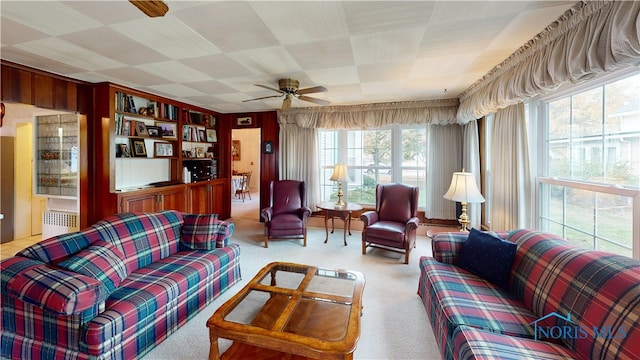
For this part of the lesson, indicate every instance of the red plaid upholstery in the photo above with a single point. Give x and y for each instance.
(59, 291)
(474, 319)
(475, 344)
(205, 232)
(50, 313)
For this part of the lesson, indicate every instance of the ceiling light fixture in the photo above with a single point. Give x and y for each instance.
(153, 8)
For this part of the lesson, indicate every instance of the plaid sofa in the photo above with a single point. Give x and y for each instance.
(115, 289)
(563, 302)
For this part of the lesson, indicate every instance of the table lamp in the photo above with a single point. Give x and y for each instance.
(340, 175)
(464, 190)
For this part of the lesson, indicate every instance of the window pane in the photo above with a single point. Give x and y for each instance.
(614, 229)
(414, 161)
(559, 118)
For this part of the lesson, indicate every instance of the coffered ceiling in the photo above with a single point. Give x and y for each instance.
(211, 53)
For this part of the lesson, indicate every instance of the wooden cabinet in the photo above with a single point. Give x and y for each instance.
(209, 197)
(154, 199)
(121, 117)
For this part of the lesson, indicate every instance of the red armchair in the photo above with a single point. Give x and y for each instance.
(392, 226)
(286, 217)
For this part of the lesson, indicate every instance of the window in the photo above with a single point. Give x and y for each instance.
(590, 188)
(374, 156)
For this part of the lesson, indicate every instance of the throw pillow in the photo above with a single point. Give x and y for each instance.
(488, 256)
(204, 232)
(101, 260)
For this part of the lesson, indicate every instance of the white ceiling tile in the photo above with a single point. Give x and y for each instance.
(387, 46)
(19, 32)
(173, 71)
(68, 53)
(271, 60)
(374, 16)
(334, 76)
(323, 54)
(178, 90)
(218, 66)
(440, 66)
(294, 22)
(169, 36)
(50, 17)
(230, 25)
(114, 45)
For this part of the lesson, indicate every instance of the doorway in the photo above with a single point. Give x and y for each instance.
(246, 160)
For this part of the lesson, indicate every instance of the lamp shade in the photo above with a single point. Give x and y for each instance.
(340, 173)
(464, 189)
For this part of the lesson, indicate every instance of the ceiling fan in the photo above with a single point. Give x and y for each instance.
(289, 89)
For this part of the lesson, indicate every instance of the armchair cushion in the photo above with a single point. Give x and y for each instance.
(102, 261)
(205, 232)
(489, 257)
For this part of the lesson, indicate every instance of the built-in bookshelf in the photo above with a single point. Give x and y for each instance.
(200, 141)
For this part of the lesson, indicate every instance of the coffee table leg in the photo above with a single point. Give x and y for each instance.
(214, 351)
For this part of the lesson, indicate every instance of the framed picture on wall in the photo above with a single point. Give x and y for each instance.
(235, 150)
(267, 147)
(244, 121)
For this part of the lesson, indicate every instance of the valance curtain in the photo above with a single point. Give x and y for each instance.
(590, 38)
(511, 185)
(431, 112)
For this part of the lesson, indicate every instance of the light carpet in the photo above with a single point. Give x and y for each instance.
(394, 324)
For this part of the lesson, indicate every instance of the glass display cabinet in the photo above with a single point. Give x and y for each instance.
(57, 155)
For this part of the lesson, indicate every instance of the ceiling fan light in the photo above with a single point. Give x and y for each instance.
(286, 103)
(152, 8)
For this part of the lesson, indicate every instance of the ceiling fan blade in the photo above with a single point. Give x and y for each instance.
(270, 88)
(286, 103)
(262, 98)
(310, 90)
(314, 100)
(152, 8)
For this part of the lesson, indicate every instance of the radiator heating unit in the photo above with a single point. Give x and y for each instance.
(58, 222)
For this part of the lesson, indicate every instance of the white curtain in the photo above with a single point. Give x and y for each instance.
(299, 159)
(299, 151)
(592, 37)
(511, 185)
(471, 164)
(444, 158)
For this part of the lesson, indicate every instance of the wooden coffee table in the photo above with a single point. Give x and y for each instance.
(289, 308)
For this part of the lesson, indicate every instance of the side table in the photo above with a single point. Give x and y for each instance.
(344, 213)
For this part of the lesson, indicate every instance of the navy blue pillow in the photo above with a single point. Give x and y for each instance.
(488, 256)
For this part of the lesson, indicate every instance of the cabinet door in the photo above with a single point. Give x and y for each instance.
(200, 199)
(147, 202)
(173, 199)
(218, 199)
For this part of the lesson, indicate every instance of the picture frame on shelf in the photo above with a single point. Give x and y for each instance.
(169, 130)
(201, 135)
(209, 155)
(267, 147)
(141, 129)
(138, 147)
(122, 151)
(163, 149)
(212, 135)
(154, 131)
(244, 121)
(199, 152)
